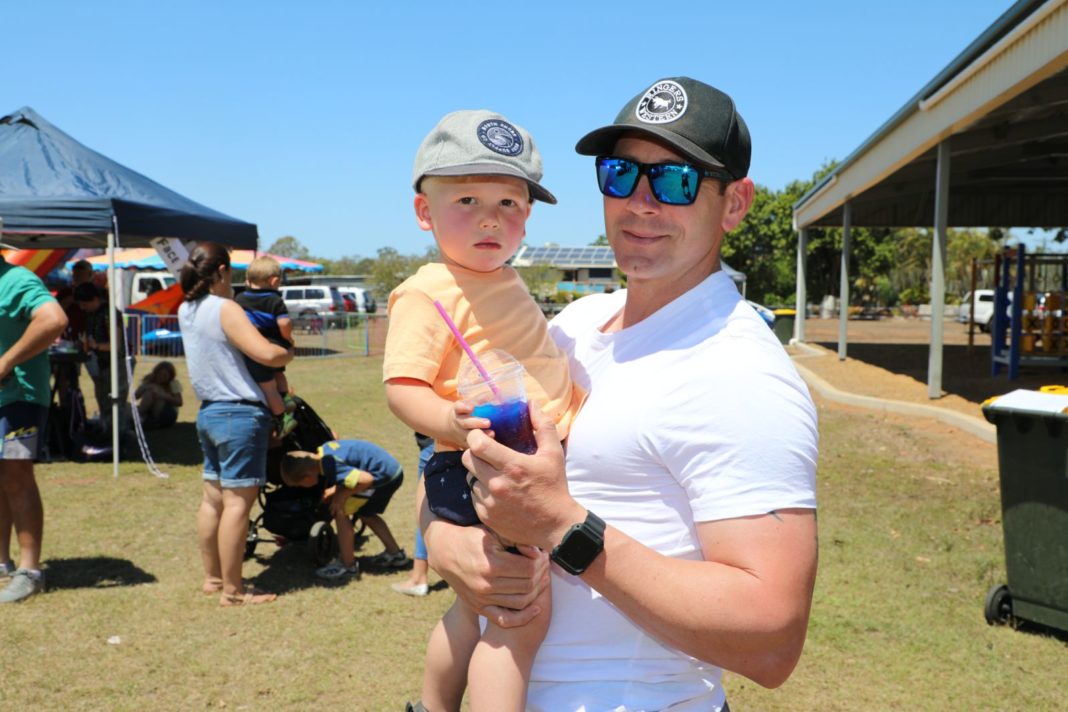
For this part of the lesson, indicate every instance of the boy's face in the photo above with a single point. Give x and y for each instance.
(479, 222)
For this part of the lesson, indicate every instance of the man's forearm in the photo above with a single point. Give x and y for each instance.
(749, 617)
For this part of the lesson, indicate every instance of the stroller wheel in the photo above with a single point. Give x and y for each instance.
(251, 540)
(322, 543)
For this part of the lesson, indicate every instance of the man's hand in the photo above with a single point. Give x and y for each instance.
(523, 497)
(496, 583)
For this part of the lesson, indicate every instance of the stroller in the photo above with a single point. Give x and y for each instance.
(297, 514)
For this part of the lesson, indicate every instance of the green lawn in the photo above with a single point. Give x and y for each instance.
(910, 541)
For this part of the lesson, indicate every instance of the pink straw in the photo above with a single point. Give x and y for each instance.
(467, 349)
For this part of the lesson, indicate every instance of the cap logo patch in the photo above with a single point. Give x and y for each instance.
(664, 102)
(500, 137)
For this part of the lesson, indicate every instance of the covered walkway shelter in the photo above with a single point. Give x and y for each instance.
(983, 144)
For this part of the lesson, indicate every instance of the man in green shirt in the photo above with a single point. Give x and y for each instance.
(30, 320)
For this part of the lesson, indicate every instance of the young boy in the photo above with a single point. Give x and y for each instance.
(267, 311)
(361, 479)
(476, 177)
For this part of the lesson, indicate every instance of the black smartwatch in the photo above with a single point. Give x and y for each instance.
(580, 546)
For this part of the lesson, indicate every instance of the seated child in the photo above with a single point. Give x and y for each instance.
(476, 178)
(159, 397)
(267, 311)
(361, 479)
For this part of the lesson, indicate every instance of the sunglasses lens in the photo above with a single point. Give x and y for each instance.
(617, 177)
(674, 183)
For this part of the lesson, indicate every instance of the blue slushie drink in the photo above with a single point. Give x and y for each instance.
(504, 403)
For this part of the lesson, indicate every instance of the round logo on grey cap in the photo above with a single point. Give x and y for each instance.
(501, 137)
(664, 102)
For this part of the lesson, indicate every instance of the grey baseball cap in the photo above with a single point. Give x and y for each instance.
(697, 120)
(480, 143)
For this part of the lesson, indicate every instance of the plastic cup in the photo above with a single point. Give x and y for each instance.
(506, 409)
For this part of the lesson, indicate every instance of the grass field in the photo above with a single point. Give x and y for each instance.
(910, 541)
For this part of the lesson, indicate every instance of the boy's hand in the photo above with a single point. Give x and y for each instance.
(463, 421)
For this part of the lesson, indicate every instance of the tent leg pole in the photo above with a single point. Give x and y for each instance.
(114, 356)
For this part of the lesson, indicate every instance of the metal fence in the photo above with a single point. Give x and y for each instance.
(149, 335)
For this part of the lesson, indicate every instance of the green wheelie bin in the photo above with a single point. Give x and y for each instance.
(784, 324)
(1032, 428)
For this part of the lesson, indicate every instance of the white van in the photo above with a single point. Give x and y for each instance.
(365, 301)
(984, 308)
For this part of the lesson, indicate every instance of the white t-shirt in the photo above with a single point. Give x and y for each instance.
(695, 414)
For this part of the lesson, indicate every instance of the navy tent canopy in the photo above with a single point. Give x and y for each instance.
(56, 192)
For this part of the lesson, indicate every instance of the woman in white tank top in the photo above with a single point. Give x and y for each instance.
(233, 423)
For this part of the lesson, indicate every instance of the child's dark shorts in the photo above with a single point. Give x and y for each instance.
(261, 373)
(447, 491)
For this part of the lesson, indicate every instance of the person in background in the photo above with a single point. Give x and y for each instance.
(98, 344)
(361, 479)
(159, 397)
(30, 320)
(682, 537)
(233, 424)
(417, 584)
(267, 311)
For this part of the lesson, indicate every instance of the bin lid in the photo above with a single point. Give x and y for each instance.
(785, 312)
(1048, 400)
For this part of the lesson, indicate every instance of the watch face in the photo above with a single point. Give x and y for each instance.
(580, 549)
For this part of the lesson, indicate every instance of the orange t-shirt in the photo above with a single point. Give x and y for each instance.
(493, 310)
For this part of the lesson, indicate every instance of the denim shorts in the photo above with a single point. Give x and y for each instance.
(233, 437)
(22, 430)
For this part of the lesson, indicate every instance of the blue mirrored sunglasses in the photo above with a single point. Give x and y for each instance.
(671, 183)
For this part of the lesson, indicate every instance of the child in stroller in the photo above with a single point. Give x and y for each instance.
(360, 480)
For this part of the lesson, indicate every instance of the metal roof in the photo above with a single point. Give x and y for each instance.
(1002, 105)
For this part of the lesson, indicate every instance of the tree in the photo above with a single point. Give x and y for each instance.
(289, 246)
(601, 241)
(541, 280)
(391, 268)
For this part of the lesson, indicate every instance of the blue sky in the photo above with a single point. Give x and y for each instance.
(304, 118)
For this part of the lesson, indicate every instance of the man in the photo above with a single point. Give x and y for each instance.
(30, 320)
(684, 532)
(98, 335)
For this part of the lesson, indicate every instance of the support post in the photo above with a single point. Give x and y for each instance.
(938, 272)
(801, 300)
(843, 291)
(113, 354)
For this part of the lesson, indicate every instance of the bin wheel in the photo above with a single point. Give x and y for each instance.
(322, 543)
(251, 540)
(998, 608)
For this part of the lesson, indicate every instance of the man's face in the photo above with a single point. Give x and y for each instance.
(81, 275)
(674, 246)
(90, 306)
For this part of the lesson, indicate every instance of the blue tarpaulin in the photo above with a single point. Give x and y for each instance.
(56, 192)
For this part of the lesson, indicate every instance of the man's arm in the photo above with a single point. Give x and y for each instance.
(744, 608)
(46, 324)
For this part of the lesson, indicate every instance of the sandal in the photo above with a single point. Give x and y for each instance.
(251, 597)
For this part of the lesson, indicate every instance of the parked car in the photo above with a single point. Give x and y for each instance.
(984, 308)
(365, 301)
(322, 301)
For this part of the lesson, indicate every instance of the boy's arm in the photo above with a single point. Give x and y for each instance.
(423, 410)
(285, 326)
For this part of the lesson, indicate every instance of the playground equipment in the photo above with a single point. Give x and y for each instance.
(1030, 325)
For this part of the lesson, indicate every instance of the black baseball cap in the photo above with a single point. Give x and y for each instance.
(697, 120)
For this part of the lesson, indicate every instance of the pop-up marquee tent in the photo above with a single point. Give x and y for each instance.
(57, 193)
